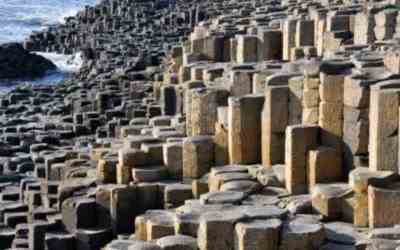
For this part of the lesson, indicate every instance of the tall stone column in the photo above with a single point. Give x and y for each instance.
(331, 110)
(204, 106)
(364, 28)
(246, 48)
(299, 140)
(244, 129)
(384, 124)
(288, 37)
(270, 47)
(355, 121)
(304, 35)
(274, 121)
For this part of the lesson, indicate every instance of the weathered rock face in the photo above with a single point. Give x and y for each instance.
(16, 62)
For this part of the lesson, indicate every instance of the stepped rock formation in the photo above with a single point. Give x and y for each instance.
(211, 125)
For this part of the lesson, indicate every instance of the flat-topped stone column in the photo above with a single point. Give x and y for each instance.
(169, 100)
(270, 47)
(244, 129)
(364, 28)
(107, 170)
(240, 82)
(323, 166)
(383, 129)
(299, 140)
(327, 200)
(288, 37)
(258, 234)
(246, 48)
(331, 110)
(122, 208)
(189, 88)
(382, 206)
(216, 230)
(215, 48)
(296, 89)
(173, 158)
(127, 160)
(304, 35)
(204, 106)
(310, 112)
(198, 156)
(274, 121)
(359, 180)
(338, 22)
(355, 121)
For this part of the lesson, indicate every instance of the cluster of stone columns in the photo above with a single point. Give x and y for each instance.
(272, 125)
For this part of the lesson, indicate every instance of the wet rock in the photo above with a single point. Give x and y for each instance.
(16, 62)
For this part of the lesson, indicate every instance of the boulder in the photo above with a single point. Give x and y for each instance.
(18, 63)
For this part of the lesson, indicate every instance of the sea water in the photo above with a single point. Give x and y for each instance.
(18, 18)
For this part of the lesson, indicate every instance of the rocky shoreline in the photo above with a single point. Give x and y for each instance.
(211, 125)
(18, 63)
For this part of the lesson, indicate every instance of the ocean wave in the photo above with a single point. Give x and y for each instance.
(64, 63)
(29, 21)
(69, 13)
(18, 18)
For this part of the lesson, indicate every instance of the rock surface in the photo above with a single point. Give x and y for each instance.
(216, 125)
(18, 63)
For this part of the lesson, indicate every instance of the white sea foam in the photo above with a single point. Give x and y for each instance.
(64, 63)
(18, 18)
(69, 13)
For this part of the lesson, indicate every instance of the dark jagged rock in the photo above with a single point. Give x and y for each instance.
(18, 63)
